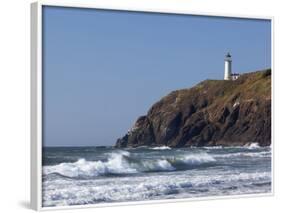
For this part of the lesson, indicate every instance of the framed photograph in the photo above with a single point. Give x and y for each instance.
(131, 105)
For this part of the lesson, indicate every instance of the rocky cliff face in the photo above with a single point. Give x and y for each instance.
(214, 112)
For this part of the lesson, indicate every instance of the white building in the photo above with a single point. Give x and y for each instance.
(227, 67)
(228, 75)
(234, 76)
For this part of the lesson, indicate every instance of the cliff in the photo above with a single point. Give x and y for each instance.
(214, 112)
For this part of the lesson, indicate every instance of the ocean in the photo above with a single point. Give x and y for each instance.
(91, 175)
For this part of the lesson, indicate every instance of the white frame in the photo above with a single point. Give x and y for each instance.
(36, 100)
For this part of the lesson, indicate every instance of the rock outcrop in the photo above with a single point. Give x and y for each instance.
(214, 112)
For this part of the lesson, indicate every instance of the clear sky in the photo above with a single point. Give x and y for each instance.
(102, 69)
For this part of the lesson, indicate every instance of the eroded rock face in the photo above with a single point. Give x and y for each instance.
(214, 112)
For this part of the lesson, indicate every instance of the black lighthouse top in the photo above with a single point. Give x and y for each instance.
(228, 55)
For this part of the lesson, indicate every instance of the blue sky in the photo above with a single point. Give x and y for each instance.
(102, 69)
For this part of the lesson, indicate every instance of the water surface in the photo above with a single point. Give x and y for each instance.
(90, 175)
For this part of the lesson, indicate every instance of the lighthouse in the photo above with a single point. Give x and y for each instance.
(227, 67)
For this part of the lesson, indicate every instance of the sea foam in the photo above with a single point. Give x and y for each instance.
(252, 146)
(122, 163)
(142, 174)
(151, 187)
(161, 148)
(114, 165)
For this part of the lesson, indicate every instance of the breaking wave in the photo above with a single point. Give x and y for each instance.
(252, 146)
(245, 154)
(246, 146)
(154, 187)
(108, 175)
(213, 147)
(122, 163)
(161, 148)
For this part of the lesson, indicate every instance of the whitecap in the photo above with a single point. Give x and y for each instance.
(114, 165)
(156, 165)
(244, 154)
(121, 162)
(161, 148)
(150, 187)
(195, 159)
(252, 146)
(213, 147)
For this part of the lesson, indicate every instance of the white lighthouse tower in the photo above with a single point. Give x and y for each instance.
(227, 67)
